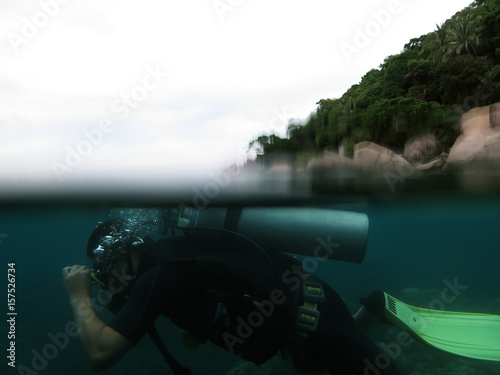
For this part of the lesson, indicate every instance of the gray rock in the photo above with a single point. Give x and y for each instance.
(372, 158)
(333, 165)
(436, 164)
(330, 160)
(423, 149)
(478, 147)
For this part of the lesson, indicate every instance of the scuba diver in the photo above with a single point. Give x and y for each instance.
(221, 287)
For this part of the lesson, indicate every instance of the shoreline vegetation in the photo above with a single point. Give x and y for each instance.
(428, 108)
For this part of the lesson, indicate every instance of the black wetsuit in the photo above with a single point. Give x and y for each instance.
(228, 299)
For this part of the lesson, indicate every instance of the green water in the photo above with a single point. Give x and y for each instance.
(416, 243)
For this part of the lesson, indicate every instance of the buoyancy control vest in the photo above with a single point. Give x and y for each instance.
(247, 308)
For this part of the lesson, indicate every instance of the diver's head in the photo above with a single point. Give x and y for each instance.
(109, 248)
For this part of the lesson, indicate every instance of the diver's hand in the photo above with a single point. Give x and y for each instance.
(77, 281)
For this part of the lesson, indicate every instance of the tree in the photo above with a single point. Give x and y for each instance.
(463, 36)
(412, 92)
(394, 72)
(414, 44)
(460, 77)
(436, 44)
(489, 28)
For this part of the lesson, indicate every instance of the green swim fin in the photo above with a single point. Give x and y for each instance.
(467, 334)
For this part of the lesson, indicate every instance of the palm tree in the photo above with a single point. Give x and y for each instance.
(455, 37)
(463, 36)
(437, 44)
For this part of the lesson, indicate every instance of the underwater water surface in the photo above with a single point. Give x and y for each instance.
(418, 245)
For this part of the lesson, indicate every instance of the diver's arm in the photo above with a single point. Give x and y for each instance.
(103, 345)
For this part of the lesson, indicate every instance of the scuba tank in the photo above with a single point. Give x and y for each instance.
(317, 232)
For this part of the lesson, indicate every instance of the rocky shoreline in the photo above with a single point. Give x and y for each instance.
(477, 149)
(472, 162)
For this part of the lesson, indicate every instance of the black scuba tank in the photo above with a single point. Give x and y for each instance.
(315, 232)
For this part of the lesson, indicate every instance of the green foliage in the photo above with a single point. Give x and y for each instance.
(489, 29)
(416, 91)
(461, 76)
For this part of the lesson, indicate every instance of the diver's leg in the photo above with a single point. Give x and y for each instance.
(350, 352)
(364, 318)
(341, 345)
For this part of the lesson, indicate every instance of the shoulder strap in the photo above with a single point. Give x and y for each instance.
(232, 218)
(176, 367)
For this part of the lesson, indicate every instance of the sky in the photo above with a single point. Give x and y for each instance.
(163, 90)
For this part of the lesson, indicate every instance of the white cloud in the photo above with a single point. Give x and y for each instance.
(229, 80)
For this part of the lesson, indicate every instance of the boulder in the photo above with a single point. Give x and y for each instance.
(280, 168)
(478, 147)
(372, 158)
(436, 164)
(422, 149)
(331, 169)
(330, 160)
